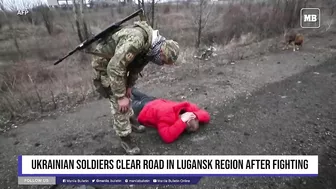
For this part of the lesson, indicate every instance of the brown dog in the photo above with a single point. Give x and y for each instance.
(295, 39)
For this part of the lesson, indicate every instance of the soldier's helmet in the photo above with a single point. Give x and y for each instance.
(171, 51)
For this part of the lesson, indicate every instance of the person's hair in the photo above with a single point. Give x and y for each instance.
(194, 123)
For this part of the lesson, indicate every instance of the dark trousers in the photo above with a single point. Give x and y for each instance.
(139, 100)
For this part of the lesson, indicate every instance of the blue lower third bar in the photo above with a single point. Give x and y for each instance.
(127, 180)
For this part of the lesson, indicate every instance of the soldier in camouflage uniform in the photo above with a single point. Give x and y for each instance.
(118, 61)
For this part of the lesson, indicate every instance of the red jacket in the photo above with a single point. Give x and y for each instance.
(164, 116)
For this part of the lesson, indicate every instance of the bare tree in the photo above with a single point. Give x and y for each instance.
(141, 4)
(2, 9)
(151, 12)
(83, 21)
(128, 1)
(75, 10)
(291, 11)
(12, 7)
(47, 16)
(201, 17)
(81, 25)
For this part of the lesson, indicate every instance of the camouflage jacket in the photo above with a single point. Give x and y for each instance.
(128, 48)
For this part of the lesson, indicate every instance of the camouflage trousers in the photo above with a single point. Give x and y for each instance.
(120, 121)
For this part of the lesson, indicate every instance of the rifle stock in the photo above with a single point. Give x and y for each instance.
(102, 34)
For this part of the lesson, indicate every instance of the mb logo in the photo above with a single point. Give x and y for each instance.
(310, 18)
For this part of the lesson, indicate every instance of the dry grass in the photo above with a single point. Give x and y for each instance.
(30, 86)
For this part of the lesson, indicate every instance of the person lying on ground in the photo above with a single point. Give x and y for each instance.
(170, 118)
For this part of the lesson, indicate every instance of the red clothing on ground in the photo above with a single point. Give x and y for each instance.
(164, 116)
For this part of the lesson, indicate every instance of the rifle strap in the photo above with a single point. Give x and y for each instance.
(99, 54)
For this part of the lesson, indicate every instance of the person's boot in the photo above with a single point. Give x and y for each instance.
(129, 146)
(136, 126)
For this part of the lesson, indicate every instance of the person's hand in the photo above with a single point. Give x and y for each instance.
(123, 104)
(186, 117)
(128, 92)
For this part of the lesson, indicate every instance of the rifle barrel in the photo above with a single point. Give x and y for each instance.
(66, 56)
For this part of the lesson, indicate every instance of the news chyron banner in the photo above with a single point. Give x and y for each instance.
(146, 169)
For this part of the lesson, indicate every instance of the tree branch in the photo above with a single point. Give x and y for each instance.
(207, 16)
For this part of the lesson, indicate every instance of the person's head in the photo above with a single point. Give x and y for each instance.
(169, 52)
(192, 126)
(164, 52)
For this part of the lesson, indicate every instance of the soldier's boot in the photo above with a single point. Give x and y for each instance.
(129, 146)
(136, 126)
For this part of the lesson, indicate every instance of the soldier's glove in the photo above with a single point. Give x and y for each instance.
(103, 91)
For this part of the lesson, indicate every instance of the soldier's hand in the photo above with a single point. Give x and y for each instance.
(123, 104)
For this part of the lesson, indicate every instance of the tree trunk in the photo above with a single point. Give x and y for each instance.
(153, 13)
(139, 4)
(81, 26)
(294, 16)
(74, 8)
(199, 33)
(85, 33)
(47, 17)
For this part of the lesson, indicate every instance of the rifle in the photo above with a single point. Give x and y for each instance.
(102, 34)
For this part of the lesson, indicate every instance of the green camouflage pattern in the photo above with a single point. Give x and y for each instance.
(148, 29)
(125, 47)
(120, 121)
(171, 50)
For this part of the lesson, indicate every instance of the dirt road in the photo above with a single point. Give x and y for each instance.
(283, 104)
